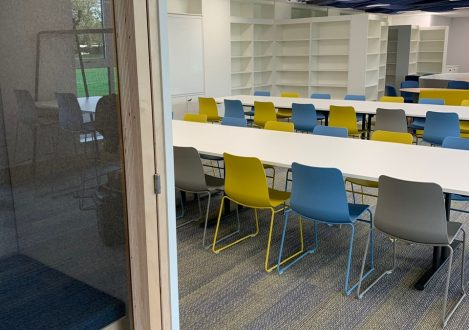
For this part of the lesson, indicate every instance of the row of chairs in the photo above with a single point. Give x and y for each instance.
(403, 209)
(411, 97)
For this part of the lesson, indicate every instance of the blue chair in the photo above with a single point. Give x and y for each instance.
(304, 117)
(230, 121)
(234, 109)
(419, 123)
(321, 96)
(390, 90)
(409, 97)
(331, 131)
(439, 125)
(456, 84)
(318, 195)
(256, 93)
(452, 142)
(352, 97)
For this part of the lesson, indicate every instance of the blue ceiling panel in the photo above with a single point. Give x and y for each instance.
(392, 6)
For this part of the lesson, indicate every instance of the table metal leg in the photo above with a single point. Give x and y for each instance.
(364, 117)
(326, 119)
(440, 254)
(368, 126)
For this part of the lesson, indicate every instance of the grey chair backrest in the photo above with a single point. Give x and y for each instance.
(413, 211)
(392, 120)
(70, 115)
(107, 121)
(188, 170)
(27, 112)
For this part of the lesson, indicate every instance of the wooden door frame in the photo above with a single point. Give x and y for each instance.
(147, 146)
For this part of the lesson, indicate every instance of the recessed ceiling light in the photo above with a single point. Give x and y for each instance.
(378, 5)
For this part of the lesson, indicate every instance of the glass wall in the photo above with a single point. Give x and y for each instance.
(63, 238)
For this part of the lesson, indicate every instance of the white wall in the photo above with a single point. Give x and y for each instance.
(217, 56)
(18, 56)
(185, 6)
(458, 45)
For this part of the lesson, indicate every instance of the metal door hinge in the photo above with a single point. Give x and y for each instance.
(157, 181)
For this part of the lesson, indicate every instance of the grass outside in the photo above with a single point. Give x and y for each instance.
(97, 79)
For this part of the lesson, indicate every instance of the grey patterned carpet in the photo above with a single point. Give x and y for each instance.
(231, 290)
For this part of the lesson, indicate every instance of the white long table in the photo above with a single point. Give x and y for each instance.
(87, 104)
(363, 159)
(365, 107)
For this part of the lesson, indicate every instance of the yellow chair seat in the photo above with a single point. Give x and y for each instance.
(364, 183)
(278, 197)
(284, 113)
(464, 126)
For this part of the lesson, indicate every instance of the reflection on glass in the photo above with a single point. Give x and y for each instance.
(63, 246)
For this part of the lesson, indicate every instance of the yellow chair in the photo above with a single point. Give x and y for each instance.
(195, 117)
(279, 126)
(344, 116)
(464, 124)
(208, 106)
(264, 112)
(451, 96)
(286, 113)
(394, 99)
(384, 136)
(246, 184)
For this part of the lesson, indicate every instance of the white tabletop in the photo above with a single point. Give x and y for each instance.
(87, 104)
(366, 107)
(363, 159)
(461, 76)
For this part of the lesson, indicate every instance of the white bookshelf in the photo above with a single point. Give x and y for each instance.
(391, 57)
(330, 48)
(263, 9)
(432, 49)
(373, 59)
(306, 55)
(383, 59)
(414, 50)
(242, 50)
(292, 44)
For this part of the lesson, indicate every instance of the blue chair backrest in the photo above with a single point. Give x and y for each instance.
(409, 97)
(319, 193)
(452, 142)
(390, 90)
(439, 125)
(409, 84)
(261, 93)
(304, 117)
(432, 101)
(234, 109)
(331, 131)
(456, 84)
(232, 121)
(323, 96)
(352, 97)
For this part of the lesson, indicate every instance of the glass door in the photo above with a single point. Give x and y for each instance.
(64, 256)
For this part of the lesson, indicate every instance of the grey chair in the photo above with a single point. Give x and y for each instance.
(190, 177)
(71, 121)
(415, 212)
(393, 120)
(27, 116)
